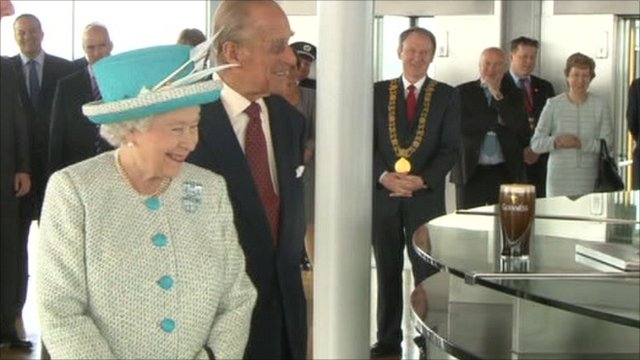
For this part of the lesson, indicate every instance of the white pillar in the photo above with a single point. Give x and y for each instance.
(344, 143)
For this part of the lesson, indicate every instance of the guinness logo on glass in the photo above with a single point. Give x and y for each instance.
(517, 210)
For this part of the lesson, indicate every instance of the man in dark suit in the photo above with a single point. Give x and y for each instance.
(417, 137)
(495, 132)
(633, 123)
(535, 91)
(73, 137)
(38, 74)
(15, 182)
(256, 142)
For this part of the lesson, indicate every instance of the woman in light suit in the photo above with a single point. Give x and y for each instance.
(138, 253)
(570, 128)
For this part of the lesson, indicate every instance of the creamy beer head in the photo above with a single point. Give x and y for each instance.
(516, 207)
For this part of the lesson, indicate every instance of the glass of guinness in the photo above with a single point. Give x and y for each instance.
(516, 208)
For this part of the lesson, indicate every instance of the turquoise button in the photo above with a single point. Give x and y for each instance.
(152, 203)
(159, 239)
(168, 325)
(166, 282)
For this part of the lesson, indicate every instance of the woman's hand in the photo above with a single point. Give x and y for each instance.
(567, 141)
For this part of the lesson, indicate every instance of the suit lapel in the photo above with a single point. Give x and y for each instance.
(85, 89)
(280, 139)
(24, 94)
(219, 140)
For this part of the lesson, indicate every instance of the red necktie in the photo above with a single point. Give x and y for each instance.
(528, 105)
(255, 147)
(412, 103)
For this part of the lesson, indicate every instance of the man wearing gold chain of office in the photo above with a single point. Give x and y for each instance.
(417, 138)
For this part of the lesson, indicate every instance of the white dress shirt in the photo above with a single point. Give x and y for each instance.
(25, 68)
(235, 104)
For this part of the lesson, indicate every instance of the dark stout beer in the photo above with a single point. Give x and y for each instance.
(517, 211)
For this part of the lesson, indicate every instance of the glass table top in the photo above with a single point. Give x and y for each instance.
(467, 244)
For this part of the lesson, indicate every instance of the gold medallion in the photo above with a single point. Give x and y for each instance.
(402, 165)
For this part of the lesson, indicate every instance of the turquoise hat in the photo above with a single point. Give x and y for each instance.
(143, 82)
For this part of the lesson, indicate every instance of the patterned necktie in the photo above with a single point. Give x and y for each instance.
(412, 103)
(528, 105)
(34, 82)
(256, 152)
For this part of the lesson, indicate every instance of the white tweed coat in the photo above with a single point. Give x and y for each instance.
(572, 171)
(117, 278)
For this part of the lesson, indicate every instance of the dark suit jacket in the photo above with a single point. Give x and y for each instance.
(14, 140)
(79, 63)
(633, 122)
(541, 91)
(434, 157)
(478, 118)
(14, 152)
(274, 272)
(72, 135)
(38, 118)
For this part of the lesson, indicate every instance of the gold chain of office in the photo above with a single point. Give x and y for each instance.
(405, 153)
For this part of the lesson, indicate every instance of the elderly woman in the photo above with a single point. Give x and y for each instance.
(138, 253)
(570, 128)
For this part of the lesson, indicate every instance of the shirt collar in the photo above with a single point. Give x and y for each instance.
(39, 59)
(516, 78)
(234, 103)
(418, 84)
(92, 74)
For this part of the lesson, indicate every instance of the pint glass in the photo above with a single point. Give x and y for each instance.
(516, 208)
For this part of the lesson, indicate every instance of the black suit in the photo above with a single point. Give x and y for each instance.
(633, 122)
(281, 305)
(54, 68)
(541, 90)
(14, 149)
(38, 118)
(79, 63)
(73, 137)
(477, 184)
(395, 219)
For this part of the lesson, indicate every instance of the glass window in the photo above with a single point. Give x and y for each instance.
(136, 24)
(388, 29)
(131, 24)
(57, 25)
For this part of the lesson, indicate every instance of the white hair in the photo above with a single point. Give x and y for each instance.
(116, 133)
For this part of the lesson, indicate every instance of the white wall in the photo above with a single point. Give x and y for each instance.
(563, 35)
(468, 35)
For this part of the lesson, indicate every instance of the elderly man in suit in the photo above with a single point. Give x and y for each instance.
(15, 182)
(535, 92)
(256, 142)
(73, 137)
(495, 132)
(417, 131)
